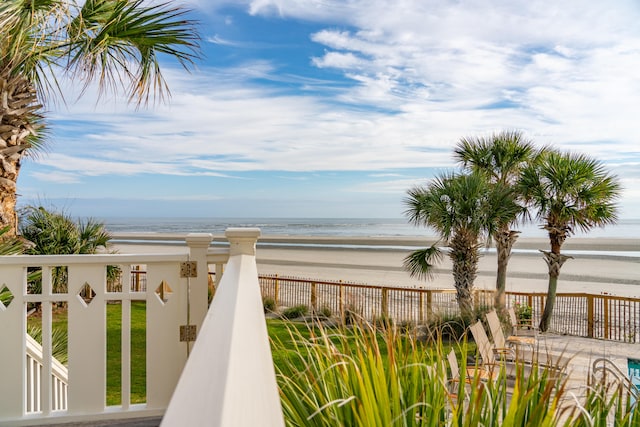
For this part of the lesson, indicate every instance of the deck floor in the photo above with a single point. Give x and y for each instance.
(135, 422)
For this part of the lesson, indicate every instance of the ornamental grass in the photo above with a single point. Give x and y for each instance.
(364, 375)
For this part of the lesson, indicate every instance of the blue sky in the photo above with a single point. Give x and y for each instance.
(323, 108)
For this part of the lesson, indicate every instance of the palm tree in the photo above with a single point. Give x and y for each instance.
(463, 210)
(500, 158)
(54, 233)
(569, 191)
(114, 43)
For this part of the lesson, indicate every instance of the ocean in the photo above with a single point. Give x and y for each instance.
(339, 227)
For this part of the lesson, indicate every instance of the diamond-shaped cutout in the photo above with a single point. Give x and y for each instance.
(164, 291)
(86, 294)
(5, 297)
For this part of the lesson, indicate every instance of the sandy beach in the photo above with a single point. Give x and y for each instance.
(378, 261)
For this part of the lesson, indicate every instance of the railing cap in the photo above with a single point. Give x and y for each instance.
(242, 241)
(201, 240)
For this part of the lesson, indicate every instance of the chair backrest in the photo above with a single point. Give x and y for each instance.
(485, 348)
(513, 318)
(453, 364)
(496, 329)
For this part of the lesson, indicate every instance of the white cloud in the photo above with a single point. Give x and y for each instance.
(58, 177)
(216, 39)
(397, 186)
(423, 74)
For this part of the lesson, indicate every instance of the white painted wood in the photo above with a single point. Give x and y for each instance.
(104, 259)
(46, 357)
(198, 286)
(35, 372)
(166, 355)
(229, 379)
(85, 396)
(87, 340)
(125, 358)
(12, 337)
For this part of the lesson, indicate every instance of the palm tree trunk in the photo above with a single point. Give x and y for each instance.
(465, 255)
(504, 239)
(554, 262)
(18, 121)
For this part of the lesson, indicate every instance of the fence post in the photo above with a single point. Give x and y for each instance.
(605, 314)
(219, 271)
(429, 303)
(384, 304)
(136, 280)
(341, 300)
(276, 291)
(231, 368)
(590, 316)
(314, 297)
(421, 307)
(198, 296)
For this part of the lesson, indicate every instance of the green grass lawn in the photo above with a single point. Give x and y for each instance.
(138, 352)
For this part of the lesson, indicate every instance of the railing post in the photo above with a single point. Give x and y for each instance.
(384, 304)
(276, 290)
(199, 286)
(136, 279)
(429, 303)
(341, 300)
(229, 379)
(590, 316)
(605, 313)
(219, 273)
(421, 307)
(314, 297)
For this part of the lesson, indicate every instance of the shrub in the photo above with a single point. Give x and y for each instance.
(383, 321)
(452, 327)
(351, 315)
(325, 312)
(295, 312)
(269, 304)
(524, 312)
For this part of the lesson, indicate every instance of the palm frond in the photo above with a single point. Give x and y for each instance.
(500, 156)
(421, 263)
(58, 233)
(11, 245)
(571, 191)
(120, 42)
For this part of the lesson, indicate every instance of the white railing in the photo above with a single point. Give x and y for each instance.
(229, 379)
(59, 379)
(85, 396)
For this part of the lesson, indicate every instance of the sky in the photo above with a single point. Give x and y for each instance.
(325, 108)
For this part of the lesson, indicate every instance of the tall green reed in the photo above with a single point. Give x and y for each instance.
(368, 376)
